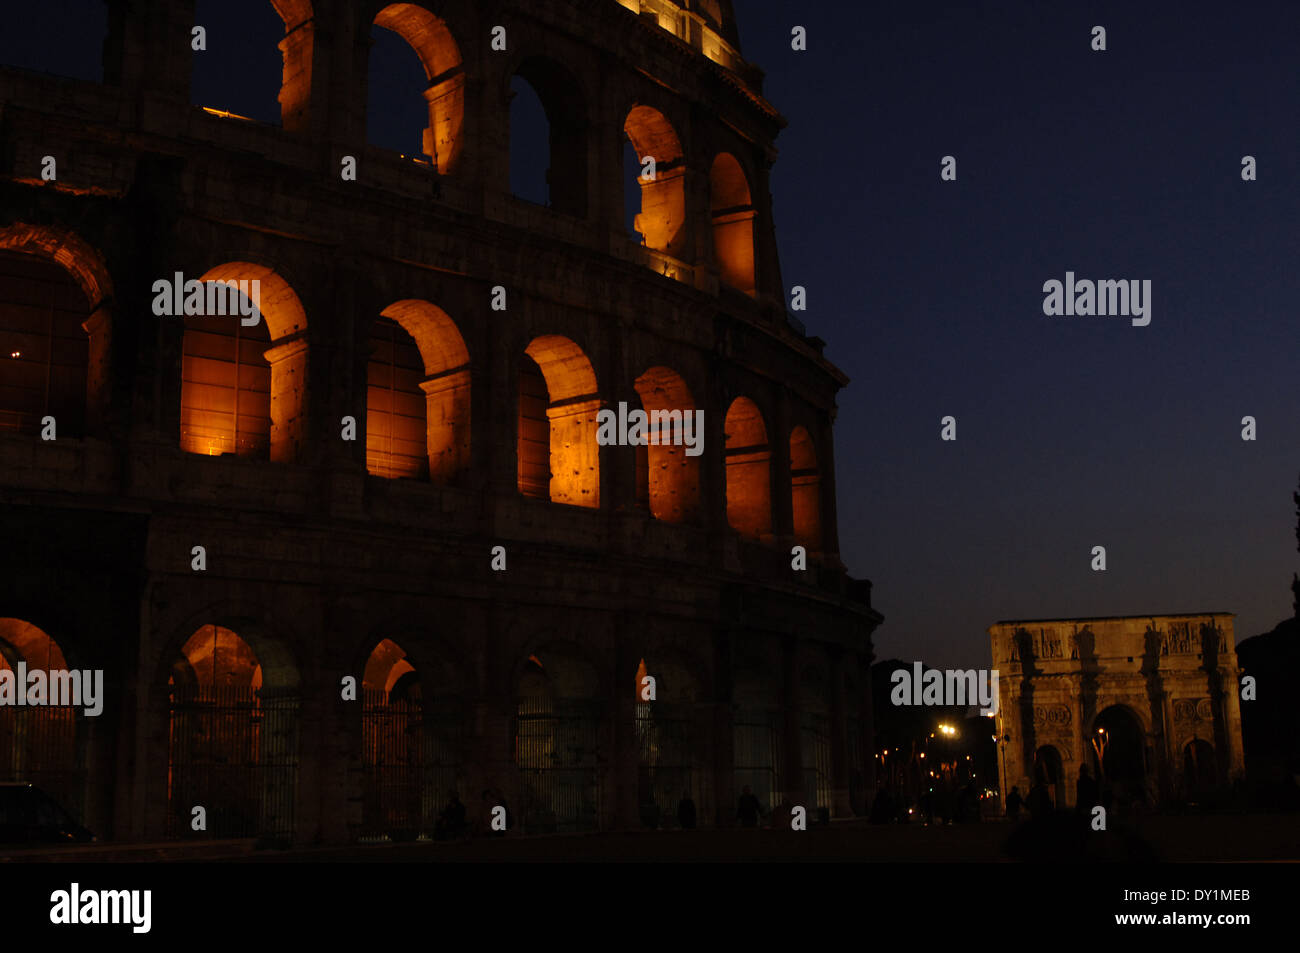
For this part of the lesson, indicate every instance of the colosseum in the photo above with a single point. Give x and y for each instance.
(367, 549)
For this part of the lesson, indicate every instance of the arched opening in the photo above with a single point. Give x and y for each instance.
(566, 394)
(243, 386)
(232, 741)
(46, 44)
(392, 87)
(671, 487)
(757, 732)
(418, 395)
(549, 149)
(275, 81)
(1050, 772)
(672, 782)
(44, 346)
(815, 740)
(1118, 753)
(40, 744)
(732, 212)
(662, 219)
(559, 745)
(805, 491)
(395, 412)
(410, 746)
(1200, 773)
(749, 470)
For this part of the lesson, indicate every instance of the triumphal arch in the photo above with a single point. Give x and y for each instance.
(1150, 704)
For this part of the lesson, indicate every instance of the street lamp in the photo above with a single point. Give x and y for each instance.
(1099, 745)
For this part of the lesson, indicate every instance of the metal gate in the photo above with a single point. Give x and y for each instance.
(757, 754)
(39, 745)
(815, 750)
(235, 754)
(560, 754)
(669, 763)
(410, 761)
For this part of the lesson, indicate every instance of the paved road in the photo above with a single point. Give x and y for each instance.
(1257, 837)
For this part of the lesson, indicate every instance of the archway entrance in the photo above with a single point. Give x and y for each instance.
(559, 746)
(232, 745)
(1118, 754)
(39, 744)
(409, 749)
(670, 748)
(1200, 776)
(757, 736)
(1049, 772)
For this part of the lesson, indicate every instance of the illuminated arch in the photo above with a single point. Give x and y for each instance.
(440, 56)
(749, 469)
(418, 395)
(805, 490)
(732, 211)
(564, 102)
(662, 219)
(39, 744)
(243, 388)
(671, 485)
(55, 346)
(557, 380)
(232, 737)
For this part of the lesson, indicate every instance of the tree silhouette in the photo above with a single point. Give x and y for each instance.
(1296, 496)
(1295, 579)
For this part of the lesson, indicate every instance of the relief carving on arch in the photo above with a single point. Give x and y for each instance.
(1053, 718)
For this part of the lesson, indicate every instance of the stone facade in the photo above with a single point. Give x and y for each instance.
(319, 561)
(1172, 679)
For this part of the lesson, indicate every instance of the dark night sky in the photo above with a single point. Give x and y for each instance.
(1072, 431)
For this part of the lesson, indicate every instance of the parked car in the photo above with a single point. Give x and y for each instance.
(30, 816)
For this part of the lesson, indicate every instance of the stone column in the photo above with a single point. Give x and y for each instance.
(448, 424)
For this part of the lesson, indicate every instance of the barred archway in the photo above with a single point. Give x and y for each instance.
(232, 742)
(41, 744)
(410, 749)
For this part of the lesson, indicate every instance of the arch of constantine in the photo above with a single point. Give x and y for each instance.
(1149, 704)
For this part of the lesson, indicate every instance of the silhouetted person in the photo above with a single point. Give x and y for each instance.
(748, 809)
(451, 822)
(1039, 802)
(1014, 803)
(1086, 792)
(686, 812)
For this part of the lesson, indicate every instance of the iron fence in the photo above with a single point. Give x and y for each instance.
(670, 763)
(757, 754)
(39, 745)
(560, 755)
(235, 754)
(410, 765)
